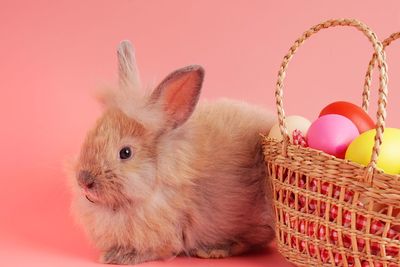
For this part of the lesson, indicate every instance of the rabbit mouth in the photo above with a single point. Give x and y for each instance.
(88, 198)
(90, 195)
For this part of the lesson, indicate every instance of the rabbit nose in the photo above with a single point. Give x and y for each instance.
(86, 179)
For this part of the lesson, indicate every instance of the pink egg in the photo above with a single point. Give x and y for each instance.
(332, 134)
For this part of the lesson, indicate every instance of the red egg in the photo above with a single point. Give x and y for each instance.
(353, 112)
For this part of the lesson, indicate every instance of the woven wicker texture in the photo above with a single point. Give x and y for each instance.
(329, 211)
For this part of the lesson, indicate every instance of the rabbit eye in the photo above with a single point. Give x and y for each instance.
(125, 153)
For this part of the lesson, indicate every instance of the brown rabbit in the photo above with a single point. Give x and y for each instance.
(157, 178)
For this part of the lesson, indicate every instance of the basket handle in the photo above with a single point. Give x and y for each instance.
(380, 58)
(371, 65)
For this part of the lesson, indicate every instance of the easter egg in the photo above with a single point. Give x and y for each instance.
(353, 112)
(360, 150)
(332, 134)
(292, 123)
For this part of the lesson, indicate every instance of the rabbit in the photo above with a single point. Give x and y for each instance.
(160, 176)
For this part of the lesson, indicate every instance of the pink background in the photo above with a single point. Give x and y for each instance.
(55, 54)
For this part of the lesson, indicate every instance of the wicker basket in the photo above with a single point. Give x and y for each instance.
(329, 211)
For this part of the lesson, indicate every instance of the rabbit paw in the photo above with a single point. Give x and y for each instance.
(213, 253)
(123, 256)
(221, 252)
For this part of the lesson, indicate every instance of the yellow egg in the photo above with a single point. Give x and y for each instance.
(360, 150)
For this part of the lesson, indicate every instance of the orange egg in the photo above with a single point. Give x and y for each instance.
(353, 112)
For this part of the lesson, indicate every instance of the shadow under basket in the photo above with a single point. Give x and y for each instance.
(327, 215)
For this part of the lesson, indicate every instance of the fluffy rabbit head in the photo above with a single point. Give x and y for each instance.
(117, 166)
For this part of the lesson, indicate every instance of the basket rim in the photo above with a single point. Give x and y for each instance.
(383, 184)
(320, 152)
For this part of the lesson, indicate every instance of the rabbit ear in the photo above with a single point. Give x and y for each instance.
(179, 93)
(127, 69)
